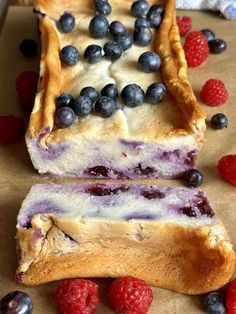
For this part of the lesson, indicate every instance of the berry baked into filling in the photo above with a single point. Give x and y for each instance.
(167, 236)
(114, 100)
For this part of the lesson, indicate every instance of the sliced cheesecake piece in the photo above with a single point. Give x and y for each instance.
(150, 140)
(169, 237)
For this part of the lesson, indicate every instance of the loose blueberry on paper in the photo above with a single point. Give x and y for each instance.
(28, 47)
(16, 302)
(209, 34)
(193, 178)
(217, 46)
(219, 121)
(213, 303)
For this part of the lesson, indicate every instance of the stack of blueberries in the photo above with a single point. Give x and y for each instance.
(132, 95)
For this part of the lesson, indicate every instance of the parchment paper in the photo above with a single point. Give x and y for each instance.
(17, 174)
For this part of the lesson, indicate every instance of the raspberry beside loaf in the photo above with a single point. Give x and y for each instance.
(169, 237)
(146, 141)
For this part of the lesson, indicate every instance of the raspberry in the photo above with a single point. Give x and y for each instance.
(184, 25)
(11, 129)
(196, 49)
(214, 93)
(129, 295)
(77, 296)
(231, 297)
(227, 168)
(26, 86)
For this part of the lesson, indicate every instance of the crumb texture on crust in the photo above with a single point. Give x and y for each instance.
(190, 258)
(185, 115)
(191, 261)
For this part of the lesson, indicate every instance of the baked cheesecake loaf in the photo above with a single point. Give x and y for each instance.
(168, 236)
(148, 140)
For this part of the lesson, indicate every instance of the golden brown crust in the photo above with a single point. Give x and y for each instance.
(173, 72)
(182, 259)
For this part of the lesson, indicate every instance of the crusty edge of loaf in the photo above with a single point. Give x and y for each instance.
(173, 70)
(186, 260)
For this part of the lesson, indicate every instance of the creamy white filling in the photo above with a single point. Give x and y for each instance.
(81, 154)
(73, 202)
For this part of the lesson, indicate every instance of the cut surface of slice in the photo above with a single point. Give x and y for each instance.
(168, 236)
(160, 140)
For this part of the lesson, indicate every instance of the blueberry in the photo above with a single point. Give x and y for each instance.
(64, 117)
(132, 95)
(113, 50)
(82, 106)
(93, 54)
(140, 8)
(89, 92)
(66, 23)
(116, 27)
(110, 90)
(99, 26)
(124, 39)
(149, 62)
(103, 7)
(217, 46)
(142, 36)
(63, 100)
(28, 47)
(193, 178)
(209, 34)
(16, 302)
(214, 303)
(105, 106)
(141, 22)
(219, 121)
(155, 93)
(70, 55)
(155, 15)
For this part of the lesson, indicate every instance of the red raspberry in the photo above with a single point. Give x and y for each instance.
(77, 296)
(231, 297)
(26, 86)
(11, 129)
(184, 25)
(129, 295)
(227, 168)
(214, 93)
(196, 49)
